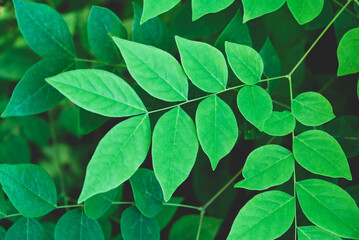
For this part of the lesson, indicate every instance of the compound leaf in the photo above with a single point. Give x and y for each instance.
(75, 225)
(245, 62)
(146, 65)
(305, 11)
(279, 123)
(102, 24)
(254, 9)
(266, 216)
(118, 156)
(216, 128)
(153, 8)
(267, 166)
(174, 149)
(255, 104)
(329, 207)
(203, 7)
(97, 205)
(147, 192)
(33, 95)
(312, 109)
(44, 30)
(134, 225)
(204, 65)
(320, 153)
(27, 228)
(315, 233)
(30, 182)
(99, 91)
(348, 46)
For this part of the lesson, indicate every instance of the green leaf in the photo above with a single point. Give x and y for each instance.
(173, 133)
(245, 62)
(36, 130)
(348, 46)
(346, 131)
(315, 233)
(134, 225)
(329, 207)
(254, 9)
(305, 11)
(33, 95)
(3, 204)
(268, 215)
(203, 7)
(101, 26)
(99, 91)
(146, 65)
(167, 212)
(44, 30)
(216, 128)
(279, 123)
(154, 32)
(153, 8)
(267, 166)
(2, 233)
(312, 109)
(75, 225)
(320, 153)
(118, 156)
(14, 149)
(186, 228)
(255, 104)
(97, 205)
(27, 228)
(271, 60)
(204, 65)
(236, 32)
(147, 192)
(29, 188)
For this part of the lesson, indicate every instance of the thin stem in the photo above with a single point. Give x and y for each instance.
(13, 215)
(57, 156)
(357, 2)
(327, 84)
(182, 205)
(348, 10)
(123, 203)
(318, 38)
(200, 223)
(282, 104)
(99, 62)
(222, 189)
(70, 206)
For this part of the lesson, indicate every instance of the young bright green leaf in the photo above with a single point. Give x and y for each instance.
(44, 30)
(315, 233)
(27, 228)
(305, 11)
(268, 215)
(186, 228)
(36, 130)
(235, 32)
(101, 26)
(153, 32)
(320, 153)
(272, 64)
(174, 149)
(267, 166)
(146, 65)
(147, 192)
(75, 225)
(329, 207)
(245, 62)
(118, 156)
(279, 123)
(99, 91)
(153, 8)
(203, 7)
(33, 95)
(348, 46)
(134, 225)
(254, 9)
(14, 150)
(3, 205)
(216, 128)
(312, 109)
(204, 65)
(97, 205)
(29, 188)
(167, 212)
(255, 104)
